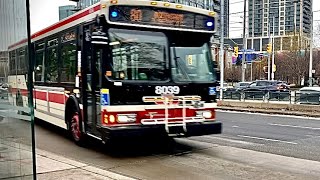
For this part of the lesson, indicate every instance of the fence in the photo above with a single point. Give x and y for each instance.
(292, 97)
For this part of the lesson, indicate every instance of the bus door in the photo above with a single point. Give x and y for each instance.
(92, 82)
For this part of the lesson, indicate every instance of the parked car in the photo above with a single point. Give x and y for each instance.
(242, 85)
(265, 86)
(309, 95)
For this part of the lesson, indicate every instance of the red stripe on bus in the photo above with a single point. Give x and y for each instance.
(52, 97)
(40, 95)
(59, 24)
(56, 98)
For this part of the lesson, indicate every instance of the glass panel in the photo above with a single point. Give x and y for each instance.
(16, 156)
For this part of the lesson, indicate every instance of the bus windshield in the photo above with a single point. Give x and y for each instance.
(138, 55)
(191, 64)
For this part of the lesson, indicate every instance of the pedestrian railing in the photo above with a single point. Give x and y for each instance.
(292, 97)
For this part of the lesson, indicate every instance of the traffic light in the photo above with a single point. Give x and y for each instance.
(236, 51)
(269, 48)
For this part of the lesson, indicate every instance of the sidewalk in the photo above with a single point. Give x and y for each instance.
(16, 163)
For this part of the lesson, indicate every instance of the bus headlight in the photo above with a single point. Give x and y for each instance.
(126, 118)
(205, 114)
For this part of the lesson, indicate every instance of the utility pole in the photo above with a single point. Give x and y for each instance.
(272, 67)
(311, 48)
(244, 41)
(221, 49)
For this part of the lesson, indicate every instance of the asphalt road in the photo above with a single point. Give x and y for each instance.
(235, 154)
(284, 135)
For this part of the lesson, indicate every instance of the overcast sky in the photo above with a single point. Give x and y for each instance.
(46, 12)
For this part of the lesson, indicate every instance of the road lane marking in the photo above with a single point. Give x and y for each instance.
(235, 126)
(294, 126)
(266, 139)
(314, 136)
(231, 140)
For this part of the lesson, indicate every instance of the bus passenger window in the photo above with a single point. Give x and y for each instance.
(68, 57)
(52, 66)
(39, 68)
(68, 67)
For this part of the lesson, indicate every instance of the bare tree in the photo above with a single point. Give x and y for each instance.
(292, 62)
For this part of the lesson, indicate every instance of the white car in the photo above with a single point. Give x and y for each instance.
(309, 95)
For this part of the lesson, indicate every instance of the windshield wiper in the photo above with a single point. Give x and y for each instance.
(179, 65)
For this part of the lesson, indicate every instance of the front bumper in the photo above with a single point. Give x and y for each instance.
(141, 131)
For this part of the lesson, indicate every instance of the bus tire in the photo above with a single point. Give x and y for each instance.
(74, 127)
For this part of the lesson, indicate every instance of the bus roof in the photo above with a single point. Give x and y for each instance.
(90, 12)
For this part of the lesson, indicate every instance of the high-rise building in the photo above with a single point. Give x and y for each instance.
(291, 17)
(13, 28)
(65, 11)
(13, 24)
(213, 5)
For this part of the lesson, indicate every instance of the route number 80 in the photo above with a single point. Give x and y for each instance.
(167, 90)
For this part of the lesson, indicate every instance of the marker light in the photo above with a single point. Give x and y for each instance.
(212, 13)
(153, 3)
(114, 14)
(112, 119)
(209, 24)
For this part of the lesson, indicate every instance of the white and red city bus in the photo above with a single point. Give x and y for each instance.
(123, 68)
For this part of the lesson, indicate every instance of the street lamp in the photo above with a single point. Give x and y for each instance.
(243, 72)
(311, 48)
(221, 49)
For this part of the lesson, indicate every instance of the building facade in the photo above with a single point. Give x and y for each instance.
(13, 28)
(65, 11)
(12, 22)
(291, 18)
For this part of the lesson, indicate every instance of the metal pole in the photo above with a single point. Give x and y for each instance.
(295, 17)
(244, 42)
(30, 91)
(251, 71)
(311, 47)
(272, 72)
(221, 49)
(269, 55)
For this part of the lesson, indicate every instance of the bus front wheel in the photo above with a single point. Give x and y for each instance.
(75, 128)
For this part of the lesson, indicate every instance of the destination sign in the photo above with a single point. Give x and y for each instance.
(161, 17)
